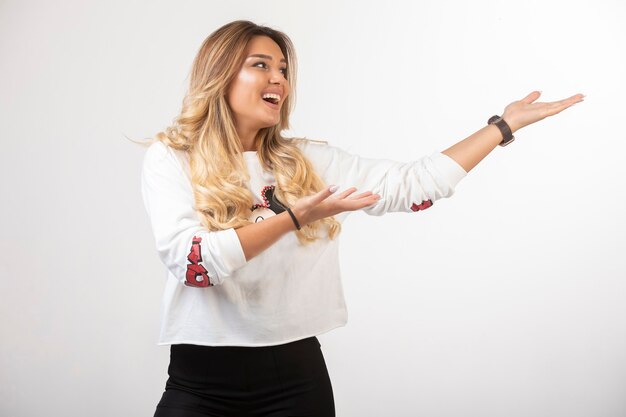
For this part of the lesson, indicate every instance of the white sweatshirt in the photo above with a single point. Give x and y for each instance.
(214, 297)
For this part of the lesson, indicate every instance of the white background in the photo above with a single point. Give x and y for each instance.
(507, 299)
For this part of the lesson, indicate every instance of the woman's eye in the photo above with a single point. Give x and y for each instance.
(283, 70)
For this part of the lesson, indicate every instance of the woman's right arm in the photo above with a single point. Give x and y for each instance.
(257, 237)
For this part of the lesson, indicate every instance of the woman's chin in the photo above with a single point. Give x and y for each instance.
(270, 123)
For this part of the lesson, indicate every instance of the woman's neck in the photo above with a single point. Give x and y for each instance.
(248, 139)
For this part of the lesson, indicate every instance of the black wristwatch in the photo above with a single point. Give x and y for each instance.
(507, 134)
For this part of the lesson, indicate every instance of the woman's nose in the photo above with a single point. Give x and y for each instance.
(277, 76)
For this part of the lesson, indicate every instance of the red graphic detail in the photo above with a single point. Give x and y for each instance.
(423, 206)
(266, 202)
(197, 275)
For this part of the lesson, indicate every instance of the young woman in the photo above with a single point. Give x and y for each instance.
(246, 222)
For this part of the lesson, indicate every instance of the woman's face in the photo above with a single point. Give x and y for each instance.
(264, 73)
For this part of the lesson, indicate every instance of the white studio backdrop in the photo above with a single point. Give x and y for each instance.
(508, 299)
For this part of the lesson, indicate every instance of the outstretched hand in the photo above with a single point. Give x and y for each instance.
(525, 111)
(323, 204)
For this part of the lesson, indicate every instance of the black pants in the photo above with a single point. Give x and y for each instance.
(271, 381)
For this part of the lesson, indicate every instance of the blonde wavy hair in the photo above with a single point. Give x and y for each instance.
(205, 130)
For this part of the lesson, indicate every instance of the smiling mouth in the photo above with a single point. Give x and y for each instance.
(271, 104)
(271, 100)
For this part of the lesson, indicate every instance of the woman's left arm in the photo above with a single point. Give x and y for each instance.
(470, 151)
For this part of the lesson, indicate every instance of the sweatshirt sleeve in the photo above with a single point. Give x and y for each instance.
(194, 255)
(403, 186)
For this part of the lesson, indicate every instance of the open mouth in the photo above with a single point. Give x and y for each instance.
(272, 100)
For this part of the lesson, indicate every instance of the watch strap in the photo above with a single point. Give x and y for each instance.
(505, 129)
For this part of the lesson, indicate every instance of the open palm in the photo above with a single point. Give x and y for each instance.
(525, 111)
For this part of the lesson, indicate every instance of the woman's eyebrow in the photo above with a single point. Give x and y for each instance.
(265, 56)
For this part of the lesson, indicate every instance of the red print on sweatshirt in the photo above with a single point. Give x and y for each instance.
(423, 206)
(197, 275)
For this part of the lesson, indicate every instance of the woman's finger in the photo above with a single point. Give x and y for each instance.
(531, 97)
(569, 101)
(345, 193)
(577, 97)
(559, 106)
(357, 203)
(365, 194)
(323, 194)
